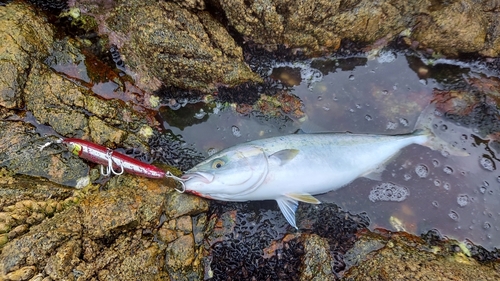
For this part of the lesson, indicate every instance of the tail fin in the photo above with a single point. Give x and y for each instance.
(426, 124)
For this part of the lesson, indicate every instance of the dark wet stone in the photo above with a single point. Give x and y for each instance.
(449, 28)
(19, 153)
(166, 44)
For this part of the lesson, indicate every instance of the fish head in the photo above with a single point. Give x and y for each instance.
(228, 174)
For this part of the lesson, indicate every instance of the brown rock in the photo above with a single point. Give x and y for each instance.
(21, 274)
(317, 262)
(21, 44)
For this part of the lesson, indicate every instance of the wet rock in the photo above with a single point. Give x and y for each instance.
(449, 28)
(317, 262)
(164, 43)
(406, 257)
(19, 153)
(26, 37)
(183, 204)
(453, 25)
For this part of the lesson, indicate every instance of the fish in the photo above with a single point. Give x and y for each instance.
(292, 168)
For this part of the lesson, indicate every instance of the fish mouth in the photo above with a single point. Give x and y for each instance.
(204, 177)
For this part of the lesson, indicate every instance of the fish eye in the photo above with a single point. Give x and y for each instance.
(217, 163)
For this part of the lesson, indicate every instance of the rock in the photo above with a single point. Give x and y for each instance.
(121, 208)
(61, 265)
(24, 273)
(21, 44)
(406, 257)
(108, 234)
(453, 28)
(180, 257)
(182, 204)
(316, 26)
(317, 262)
(34, 247)
(166, 44)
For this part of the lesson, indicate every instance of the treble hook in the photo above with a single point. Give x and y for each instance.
(109, 168)
(179, 180)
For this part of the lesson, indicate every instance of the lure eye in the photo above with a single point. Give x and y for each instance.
(217, 163)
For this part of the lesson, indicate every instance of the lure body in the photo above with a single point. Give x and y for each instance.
(119, 162)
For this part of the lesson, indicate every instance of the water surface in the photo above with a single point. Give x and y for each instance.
(420, 189)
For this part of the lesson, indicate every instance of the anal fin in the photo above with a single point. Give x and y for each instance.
(288, 207)
(303, 197)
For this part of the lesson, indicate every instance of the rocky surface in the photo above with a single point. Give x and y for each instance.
(164, 43)
(113, 234)
(61, 84)
(399, 256)
(317, 26)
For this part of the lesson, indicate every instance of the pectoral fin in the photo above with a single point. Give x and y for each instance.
(288, 207)
(375, 175)
(282, 157)
(303, 197)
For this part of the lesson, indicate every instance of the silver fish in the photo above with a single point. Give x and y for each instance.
(292, 168)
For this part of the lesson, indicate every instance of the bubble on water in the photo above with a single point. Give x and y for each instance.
(446, 186)
(463, 200)
(236, 131)
(437, 183)
(464, 137)
(386, 57)
(320, 98)
(326, 108)
(422, 171)
(448, 170)
(498, 179)
(485, 183)
(385, 92)
(435, 204)
(445, 153)
(435, 162)
(443, 128)
(486, 225)
(482, 189)
(358, 106)
(391, 125)
(487, 163)
(407, 177)
(351, 110)
(211, 151)
(389, 192)
(404, 122)
(454, 215)
(351, 77)
(368, 118)
(199, 115)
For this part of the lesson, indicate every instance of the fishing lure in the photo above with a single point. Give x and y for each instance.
(116, 163)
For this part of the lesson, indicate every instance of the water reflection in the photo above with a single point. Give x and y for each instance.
(458, 195)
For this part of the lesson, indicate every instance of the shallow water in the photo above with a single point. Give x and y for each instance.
(420, 189)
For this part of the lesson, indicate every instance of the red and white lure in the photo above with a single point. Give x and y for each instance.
(116, 163)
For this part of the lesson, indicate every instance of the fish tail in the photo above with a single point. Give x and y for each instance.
(425, 126)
